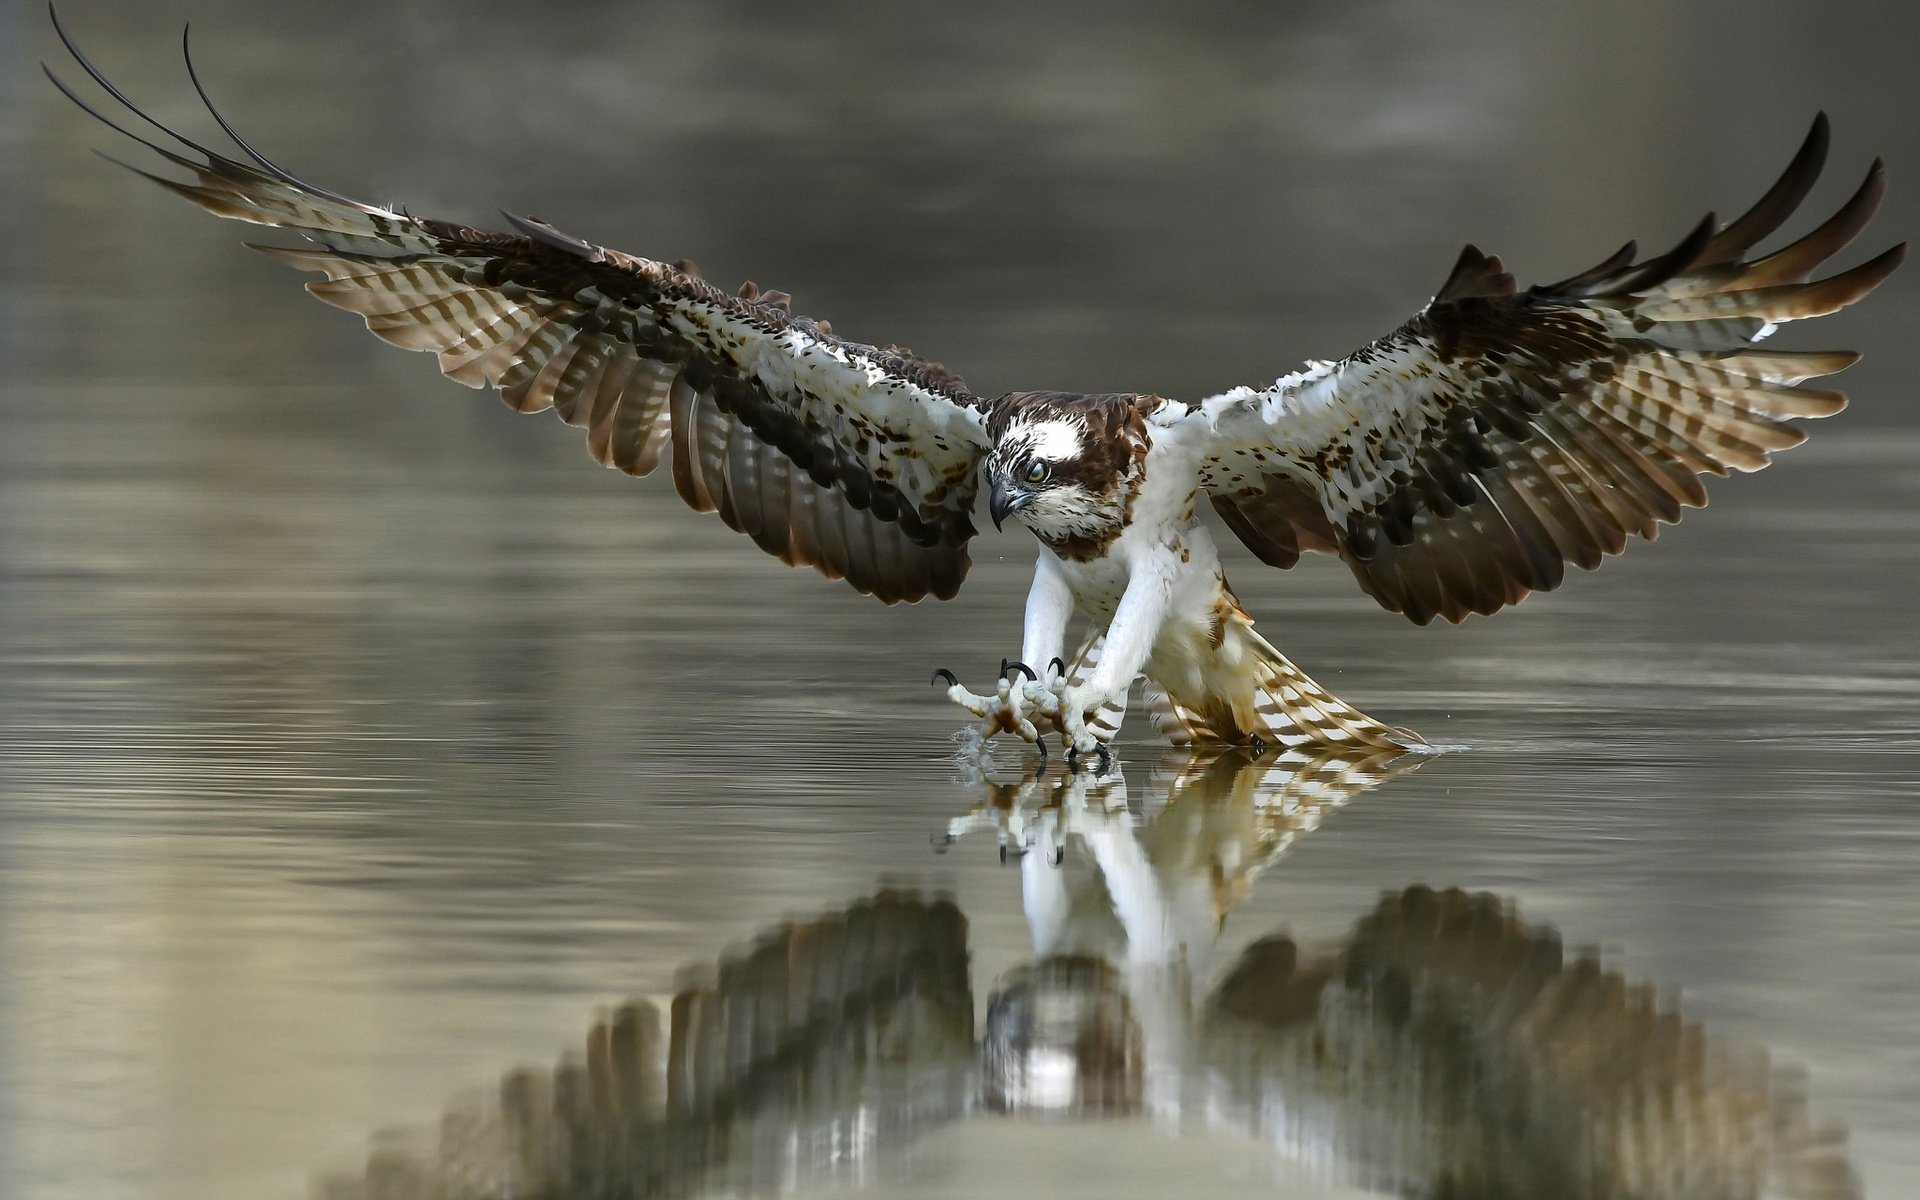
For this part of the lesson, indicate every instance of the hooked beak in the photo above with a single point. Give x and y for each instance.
(1007, 499)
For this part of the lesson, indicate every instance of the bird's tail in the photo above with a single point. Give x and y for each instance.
(1284, 707)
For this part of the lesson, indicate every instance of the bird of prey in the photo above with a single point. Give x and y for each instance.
(1456, 464)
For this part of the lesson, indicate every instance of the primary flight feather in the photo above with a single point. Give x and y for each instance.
(1455, 465)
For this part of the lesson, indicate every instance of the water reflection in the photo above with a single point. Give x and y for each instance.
(1443, 1048)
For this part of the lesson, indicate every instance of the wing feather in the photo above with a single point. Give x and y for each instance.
(1463, 460)
(686, 470)
(828, 525)
(770, 421)
(803, 539)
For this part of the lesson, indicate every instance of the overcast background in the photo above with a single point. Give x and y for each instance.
(1111, 196)
(359, 737)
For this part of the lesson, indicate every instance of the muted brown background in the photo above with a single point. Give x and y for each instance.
(357, 738)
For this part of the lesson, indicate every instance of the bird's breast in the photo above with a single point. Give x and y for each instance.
(1097, 585)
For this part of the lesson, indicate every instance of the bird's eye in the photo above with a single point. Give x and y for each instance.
(1038, 472)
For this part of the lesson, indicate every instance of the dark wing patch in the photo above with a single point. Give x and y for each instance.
(1462, 461)
(857, 461)
(1277, 520)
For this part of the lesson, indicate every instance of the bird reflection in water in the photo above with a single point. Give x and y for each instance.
(1444, 1048)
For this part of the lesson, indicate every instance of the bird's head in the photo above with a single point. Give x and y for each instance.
(1050, 472)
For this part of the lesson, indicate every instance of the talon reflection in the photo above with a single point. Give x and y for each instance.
(1444, 1048)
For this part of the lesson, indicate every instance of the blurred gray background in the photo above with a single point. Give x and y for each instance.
(357, 737)
(1085, 196)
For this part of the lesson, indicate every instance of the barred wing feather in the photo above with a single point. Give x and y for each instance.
(858, 461)
(1460, 462)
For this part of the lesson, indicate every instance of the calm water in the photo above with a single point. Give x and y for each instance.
(360, 745)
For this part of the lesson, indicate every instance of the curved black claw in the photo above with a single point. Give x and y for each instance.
(947, 675)
(1058, 666)
(1059, 853)
(1006, 666)
(1103, 758)
(1040, 744)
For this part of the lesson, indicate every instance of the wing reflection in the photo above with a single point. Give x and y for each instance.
(1444, 1048)
(793, 1062)
(1449, 1049)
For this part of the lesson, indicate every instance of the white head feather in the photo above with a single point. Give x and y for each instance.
(1055, 439)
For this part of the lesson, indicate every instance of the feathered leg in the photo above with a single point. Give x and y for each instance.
(1026, 702)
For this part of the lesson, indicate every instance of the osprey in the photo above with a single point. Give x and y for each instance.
(1456, 464)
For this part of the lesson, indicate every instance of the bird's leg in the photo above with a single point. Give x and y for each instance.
(1049, 605)
(1128, 644)
(1023, 706)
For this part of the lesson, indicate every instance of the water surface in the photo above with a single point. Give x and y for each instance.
(359, 742)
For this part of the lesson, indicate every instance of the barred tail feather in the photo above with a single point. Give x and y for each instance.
(1290, 709)
(1285, 708)
(1178, 724)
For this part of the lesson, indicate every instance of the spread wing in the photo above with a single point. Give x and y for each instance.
(857, 461)
(1463, 460)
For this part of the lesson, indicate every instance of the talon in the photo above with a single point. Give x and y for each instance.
(979, 706)
(1103, 758)
(1059, 854)
(1006, 666)
(1058, 666)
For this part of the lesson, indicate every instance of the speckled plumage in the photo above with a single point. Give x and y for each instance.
(1456, 464)
(1459, 462)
